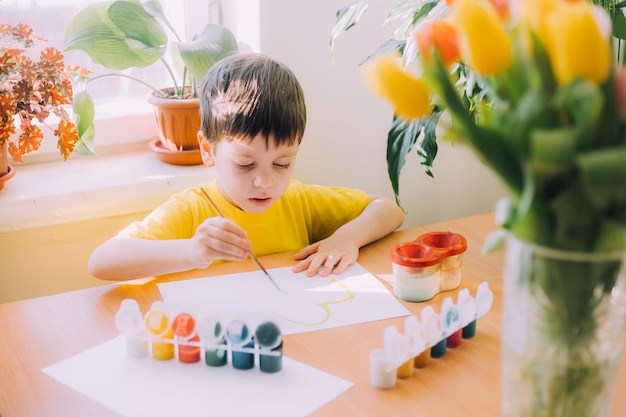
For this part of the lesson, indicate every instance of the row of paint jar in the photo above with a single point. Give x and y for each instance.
(383, 374)
(428, 265)
(428, 337)
(166, 336)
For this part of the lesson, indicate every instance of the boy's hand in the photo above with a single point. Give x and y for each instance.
(218, 238)
(326, 256)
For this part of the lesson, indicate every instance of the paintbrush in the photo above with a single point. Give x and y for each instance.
(252, 255)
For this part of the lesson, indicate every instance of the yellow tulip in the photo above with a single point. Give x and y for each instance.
(576, 44)
(533, 13)
(532, 17)
(485, 43)
(408, 94)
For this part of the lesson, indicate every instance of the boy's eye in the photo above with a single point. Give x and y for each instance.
(277, 165)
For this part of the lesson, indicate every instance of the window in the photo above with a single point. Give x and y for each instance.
(122, 115)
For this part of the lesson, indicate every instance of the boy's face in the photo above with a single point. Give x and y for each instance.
(250, 175)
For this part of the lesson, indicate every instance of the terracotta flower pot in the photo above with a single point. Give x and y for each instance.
(6, 171)
(177, 121)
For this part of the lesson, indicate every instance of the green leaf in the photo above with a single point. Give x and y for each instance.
(117, 35)
(83, 108)
(531, 111)
(606, 167)
(574, 221)
(208, 47)
(603, 173)
(427, 143)
(84, 146)
(406, 8)
(489, 144)
(153, 8)
(610, 128)
(542, 77)
(619, 23)
(584, 101)
(400, 140)
(346, 18)
(532, 221)
(391, 45)
(552, 150)
(612, 237)
(412, 12)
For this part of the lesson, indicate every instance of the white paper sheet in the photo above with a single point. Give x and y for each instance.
(311, 303)
(139, 387)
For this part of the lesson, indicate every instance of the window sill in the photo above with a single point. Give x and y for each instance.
(85, 188)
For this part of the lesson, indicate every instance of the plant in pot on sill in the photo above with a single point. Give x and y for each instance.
(539, 94)
(124, 34)
(35, 88)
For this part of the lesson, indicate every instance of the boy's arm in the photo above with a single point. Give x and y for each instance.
(335, 253)
(127, 258)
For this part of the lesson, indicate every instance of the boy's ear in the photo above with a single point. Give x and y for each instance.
(206, 150)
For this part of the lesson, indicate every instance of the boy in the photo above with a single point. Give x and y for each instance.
(253, 117)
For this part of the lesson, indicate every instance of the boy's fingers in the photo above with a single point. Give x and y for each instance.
(301, 266)
(306, 252)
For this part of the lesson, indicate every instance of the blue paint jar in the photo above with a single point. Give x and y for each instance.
(269, 339)
(239, 335)
(439, 350)
(271, 363)
(469, 331)
(243, 360)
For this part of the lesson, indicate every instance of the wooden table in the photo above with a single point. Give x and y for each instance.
(466, 381)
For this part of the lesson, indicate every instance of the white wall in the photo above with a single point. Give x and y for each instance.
(345, 140)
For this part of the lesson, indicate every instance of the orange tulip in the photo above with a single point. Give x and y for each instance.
(409, 95)
(502, 7)
(440, 36)
(485, 44)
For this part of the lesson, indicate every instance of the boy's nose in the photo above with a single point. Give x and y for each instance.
(264, 179)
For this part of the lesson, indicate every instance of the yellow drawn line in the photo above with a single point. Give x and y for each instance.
(325, 306)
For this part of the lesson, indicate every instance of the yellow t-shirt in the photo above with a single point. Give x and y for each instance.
(303, 215)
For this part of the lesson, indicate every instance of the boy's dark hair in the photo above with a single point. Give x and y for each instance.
(246, 94)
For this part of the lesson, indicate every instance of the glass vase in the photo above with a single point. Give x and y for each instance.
(563, 331)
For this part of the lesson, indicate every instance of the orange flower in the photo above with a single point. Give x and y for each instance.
(502, 7)
(440, 36)
(408, 95)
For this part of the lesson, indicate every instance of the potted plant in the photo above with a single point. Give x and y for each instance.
(420, 134)
(32, 89)
(124, 34)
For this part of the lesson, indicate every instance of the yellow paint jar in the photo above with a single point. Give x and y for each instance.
(422, 359)
(406, 369)
(158, 324)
